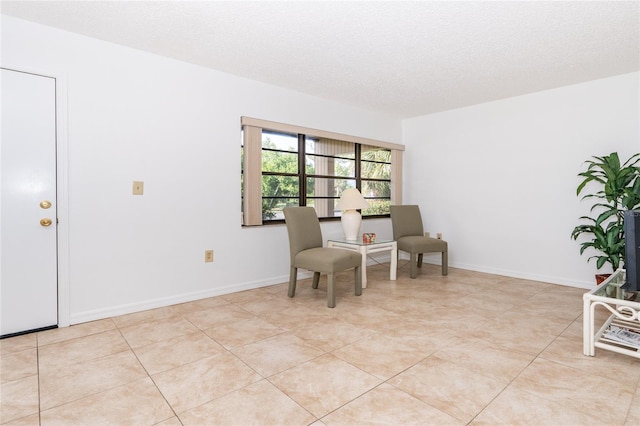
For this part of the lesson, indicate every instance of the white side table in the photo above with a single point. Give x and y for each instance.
(370, 248)
(624, 314)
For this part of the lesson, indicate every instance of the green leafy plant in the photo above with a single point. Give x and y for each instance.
(619, 191)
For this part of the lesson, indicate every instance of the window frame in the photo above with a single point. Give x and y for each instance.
(252, 129)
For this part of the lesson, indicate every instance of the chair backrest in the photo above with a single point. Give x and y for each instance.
(303, 228)
(405, 221)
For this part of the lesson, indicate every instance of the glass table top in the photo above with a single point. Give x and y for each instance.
(359, 242)
(612, 286)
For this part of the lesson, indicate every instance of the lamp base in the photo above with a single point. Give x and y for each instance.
(351, 220)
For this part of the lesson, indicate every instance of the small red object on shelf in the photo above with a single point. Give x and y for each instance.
(369, 237)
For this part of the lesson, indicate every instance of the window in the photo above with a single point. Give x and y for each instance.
(280, 174)
(286, 165)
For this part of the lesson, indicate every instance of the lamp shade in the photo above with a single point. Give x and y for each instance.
(351, 200)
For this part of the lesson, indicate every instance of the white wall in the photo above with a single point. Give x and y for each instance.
(137, 116)
(499, 179)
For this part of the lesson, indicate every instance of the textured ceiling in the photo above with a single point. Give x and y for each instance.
(400, 58)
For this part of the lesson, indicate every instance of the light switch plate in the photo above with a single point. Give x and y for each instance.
(138, 188)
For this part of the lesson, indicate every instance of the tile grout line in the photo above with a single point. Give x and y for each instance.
(149, 376)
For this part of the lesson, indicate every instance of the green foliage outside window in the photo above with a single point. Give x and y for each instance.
(276, 186)
(280, 179)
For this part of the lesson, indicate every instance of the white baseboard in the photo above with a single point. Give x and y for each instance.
(525, 276)
(98, 314)
(114, 311)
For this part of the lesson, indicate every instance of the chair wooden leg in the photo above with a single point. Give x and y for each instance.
(293, 276)
(358, 277)
(413, 263)
(445, 263)
(331, 291)
(316, 279)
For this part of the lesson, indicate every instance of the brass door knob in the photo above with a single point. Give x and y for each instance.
(45, 204)
(46, 221)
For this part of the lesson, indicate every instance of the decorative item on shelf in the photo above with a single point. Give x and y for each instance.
(369, 237)
(350, 202)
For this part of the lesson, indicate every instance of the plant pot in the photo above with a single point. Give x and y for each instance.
(600, 278)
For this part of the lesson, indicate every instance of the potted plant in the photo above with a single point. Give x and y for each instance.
(619, 190)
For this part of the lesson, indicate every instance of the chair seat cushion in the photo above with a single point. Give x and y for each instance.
(325, 259)
(420, 244)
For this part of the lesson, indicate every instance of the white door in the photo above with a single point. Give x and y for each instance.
(28, 225)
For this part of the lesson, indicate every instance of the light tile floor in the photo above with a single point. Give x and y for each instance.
(469, 348)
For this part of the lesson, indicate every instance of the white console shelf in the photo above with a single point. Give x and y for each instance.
(624, 314)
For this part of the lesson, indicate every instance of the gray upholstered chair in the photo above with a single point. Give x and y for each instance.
(307, 252)
(409, 234)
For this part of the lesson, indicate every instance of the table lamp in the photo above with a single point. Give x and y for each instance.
(350, 201)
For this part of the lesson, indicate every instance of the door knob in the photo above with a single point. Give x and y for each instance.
(45, 204)
(46, 221)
